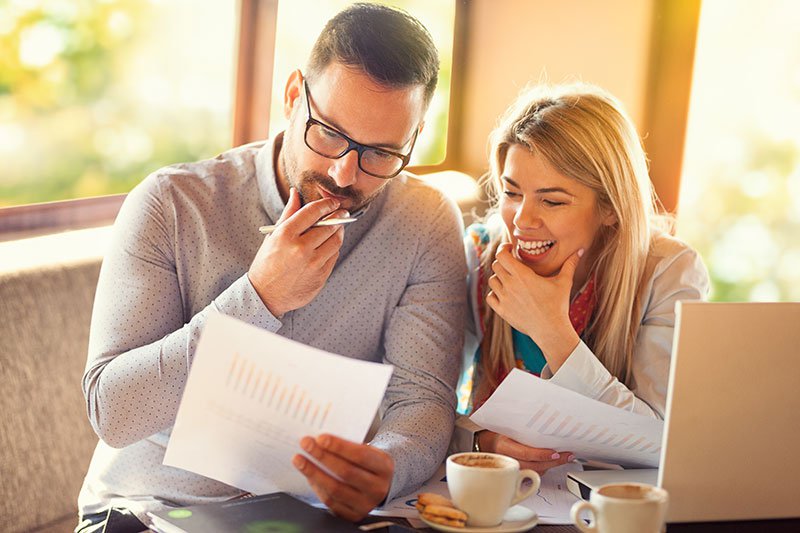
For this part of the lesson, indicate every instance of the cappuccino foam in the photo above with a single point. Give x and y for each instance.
(479, 461)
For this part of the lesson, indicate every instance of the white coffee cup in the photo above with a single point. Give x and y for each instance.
(623, 508)
(485, 485)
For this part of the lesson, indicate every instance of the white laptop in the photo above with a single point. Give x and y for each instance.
(731, 444)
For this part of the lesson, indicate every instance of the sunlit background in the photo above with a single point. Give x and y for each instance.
(740, 189)
(95, 94)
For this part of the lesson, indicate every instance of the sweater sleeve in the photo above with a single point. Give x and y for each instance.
(681, 276)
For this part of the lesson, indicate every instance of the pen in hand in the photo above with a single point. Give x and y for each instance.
(266, 230)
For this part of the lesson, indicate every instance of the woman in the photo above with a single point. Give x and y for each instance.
(574, 276)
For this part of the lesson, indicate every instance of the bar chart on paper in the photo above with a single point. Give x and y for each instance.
(275, 393)
(549, 421)
(252, 395)
(535, 412)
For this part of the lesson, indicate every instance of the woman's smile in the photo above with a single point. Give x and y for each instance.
(530, 251)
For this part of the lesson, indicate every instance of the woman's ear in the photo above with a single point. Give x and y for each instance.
(609, 219)
(292, 93)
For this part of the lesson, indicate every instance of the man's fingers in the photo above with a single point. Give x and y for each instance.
(353, 474)
(292, 206)
(339, 213)
(327, 268)
(341, 509)
(367, 457)
(340, 498)
(326, 239)
(308, 215)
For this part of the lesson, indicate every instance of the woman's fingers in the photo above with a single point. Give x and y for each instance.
(538, 459)
(541, 467)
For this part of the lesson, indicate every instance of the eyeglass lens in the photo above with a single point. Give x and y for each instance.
(329, 143)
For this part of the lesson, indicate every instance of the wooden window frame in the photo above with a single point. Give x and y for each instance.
(255, 52)
(669, 85)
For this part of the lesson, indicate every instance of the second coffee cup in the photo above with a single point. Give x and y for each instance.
(623, 508)
(485, 485)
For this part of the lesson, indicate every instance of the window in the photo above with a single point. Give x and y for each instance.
(96, 94)
(292, 48)
(740, 190)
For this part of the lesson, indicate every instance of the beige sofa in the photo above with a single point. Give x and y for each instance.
(46, 441)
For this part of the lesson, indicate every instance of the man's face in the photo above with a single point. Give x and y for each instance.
(347, 100)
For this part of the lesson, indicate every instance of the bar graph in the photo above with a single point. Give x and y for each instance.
(247, 379)
(550, 421)
(252, 395)
(539, 413)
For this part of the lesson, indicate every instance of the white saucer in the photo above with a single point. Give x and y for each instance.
(517, 518)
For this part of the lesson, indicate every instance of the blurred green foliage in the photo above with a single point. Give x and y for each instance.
(72, 121)
(740, 190)
(747, 223)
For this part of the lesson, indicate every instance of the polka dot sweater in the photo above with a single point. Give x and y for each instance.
(183, 242)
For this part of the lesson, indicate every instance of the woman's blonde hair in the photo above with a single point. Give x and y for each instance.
(584, 133)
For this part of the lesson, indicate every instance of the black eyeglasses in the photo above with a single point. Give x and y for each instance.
(333, 144)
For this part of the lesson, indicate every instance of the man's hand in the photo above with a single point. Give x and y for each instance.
(294, 262)
(366, 474)
(538, 459)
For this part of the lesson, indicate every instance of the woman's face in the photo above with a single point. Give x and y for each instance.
(548, 215)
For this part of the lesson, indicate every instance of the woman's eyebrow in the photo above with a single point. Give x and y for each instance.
(543, 190)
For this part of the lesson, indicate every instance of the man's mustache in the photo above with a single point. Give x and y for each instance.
(311, 177)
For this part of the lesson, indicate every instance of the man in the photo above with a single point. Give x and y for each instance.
(388, 287)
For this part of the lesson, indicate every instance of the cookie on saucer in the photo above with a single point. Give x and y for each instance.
(430, 498)
(447, 516)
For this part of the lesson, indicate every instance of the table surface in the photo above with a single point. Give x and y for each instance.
(791, 525)
(540, 528)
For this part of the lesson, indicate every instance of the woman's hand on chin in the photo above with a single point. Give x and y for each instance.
(538, 459)
(535, 305)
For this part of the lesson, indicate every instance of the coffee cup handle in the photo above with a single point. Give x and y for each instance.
(522, 494)
(575, 514)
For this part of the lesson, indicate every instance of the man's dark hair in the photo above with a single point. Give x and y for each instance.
(389, 45)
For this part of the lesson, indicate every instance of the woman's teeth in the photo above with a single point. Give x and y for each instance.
(535, 247)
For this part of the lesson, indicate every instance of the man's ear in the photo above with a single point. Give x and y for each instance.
(292, 93)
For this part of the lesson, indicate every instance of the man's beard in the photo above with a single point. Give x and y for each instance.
(306, 183)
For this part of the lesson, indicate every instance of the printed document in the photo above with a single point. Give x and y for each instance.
(538, 413)
(252, 395)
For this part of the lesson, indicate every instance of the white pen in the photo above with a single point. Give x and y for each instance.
(266, 230)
